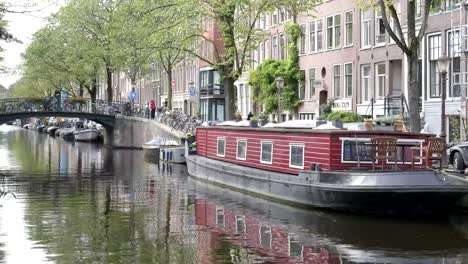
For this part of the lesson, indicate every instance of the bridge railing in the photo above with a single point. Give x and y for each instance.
(54, 104)
(176, 120)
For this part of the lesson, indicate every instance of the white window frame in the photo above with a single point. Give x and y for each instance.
(274, 51)
(346, 95)
(316, 32)
(303, 39)
(400, 140)
(303, 152)
(429, 50)
(378, 16)
(377, 80)
(237, 148)
(312, 96)
(217, 147)
(339, 82)
(451, 75)
(261, 151)
(367, 22)
(333, 28)
(346, 28)
(362, 82)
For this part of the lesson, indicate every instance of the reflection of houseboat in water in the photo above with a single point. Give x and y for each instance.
(328, 168)
(275, 232)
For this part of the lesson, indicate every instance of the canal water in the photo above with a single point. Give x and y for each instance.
(82, 203)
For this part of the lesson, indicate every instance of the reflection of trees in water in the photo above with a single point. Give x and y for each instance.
(112, 219)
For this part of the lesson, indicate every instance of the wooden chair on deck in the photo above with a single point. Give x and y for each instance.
(383, 148)
(433, 151)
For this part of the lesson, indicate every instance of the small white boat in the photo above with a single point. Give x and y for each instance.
(90, 134)
(172, 153)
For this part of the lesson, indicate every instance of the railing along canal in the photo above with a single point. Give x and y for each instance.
(54, 105)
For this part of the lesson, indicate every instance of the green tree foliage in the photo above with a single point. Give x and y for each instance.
(344, 116)
(262, 79)
(237, 21)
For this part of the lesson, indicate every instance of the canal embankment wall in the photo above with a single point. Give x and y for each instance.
(133, 132)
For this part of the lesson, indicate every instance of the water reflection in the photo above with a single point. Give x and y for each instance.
(85, 203)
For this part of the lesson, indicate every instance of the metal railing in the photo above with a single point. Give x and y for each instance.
(208, 90)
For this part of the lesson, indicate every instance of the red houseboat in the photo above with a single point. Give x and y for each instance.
(326, 168)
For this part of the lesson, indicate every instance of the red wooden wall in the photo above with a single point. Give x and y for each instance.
(320, 148)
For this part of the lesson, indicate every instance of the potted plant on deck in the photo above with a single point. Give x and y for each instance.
(369, 124)
(399, 125)
(254, 121)
(262, 119)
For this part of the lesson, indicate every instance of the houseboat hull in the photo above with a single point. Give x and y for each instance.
(421, 192)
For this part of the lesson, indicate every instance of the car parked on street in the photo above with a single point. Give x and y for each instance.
(458, 155)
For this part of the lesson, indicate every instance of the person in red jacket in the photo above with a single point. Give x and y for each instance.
(153, 108)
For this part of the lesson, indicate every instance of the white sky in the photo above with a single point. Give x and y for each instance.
(23, 26)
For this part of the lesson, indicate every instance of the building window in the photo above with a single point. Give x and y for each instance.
(365, 82)
(366, 19)
(419, 7)
(380, 80)
(379, 28)
(302, 40)
(349, 28)
(454, 48)
(296, 156)
(241, 153)
(319, 35)
(348, 71)
(265, 236)
(306, 116)
(274, 18)
(434, 49)
(301, 91)
(262, 52)
(333, 31)
(274, 48)
(451, 4)
(312, 37)
(266, 154)
(282, 15)
(221, 147)
(241, 98)
(267, 49)
(282, 47)
(311, 83)
(336, 81)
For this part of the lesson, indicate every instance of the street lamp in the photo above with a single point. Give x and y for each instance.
(443, 64)
(279, 85)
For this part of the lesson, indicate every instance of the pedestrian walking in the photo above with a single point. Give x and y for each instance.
(153, 108)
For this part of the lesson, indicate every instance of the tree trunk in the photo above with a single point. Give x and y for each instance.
(109, 84)
(81, 91)
(93, 90)
(230, 103)
(169, 89)
(413, 93)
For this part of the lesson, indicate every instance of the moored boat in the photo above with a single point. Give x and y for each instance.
(325, 168)
(51, 130)
(151, 150)
(90, 134)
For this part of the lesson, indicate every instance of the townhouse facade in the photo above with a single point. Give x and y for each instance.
(348, 57)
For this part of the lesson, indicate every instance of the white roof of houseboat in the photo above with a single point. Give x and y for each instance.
(297, 124)
(326, 126)
(243, 123)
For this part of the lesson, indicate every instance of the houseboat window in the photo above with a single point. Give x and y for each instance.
(295, 247)
(296, 156)
(266, 152)
(220, 217)
(240, 224)
(353, 150)
(362, 151)
(221, 146)
(241, 149)
(265, 236)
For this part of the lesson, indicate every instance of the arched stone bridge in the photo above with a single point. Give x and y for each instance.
(123, 122)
